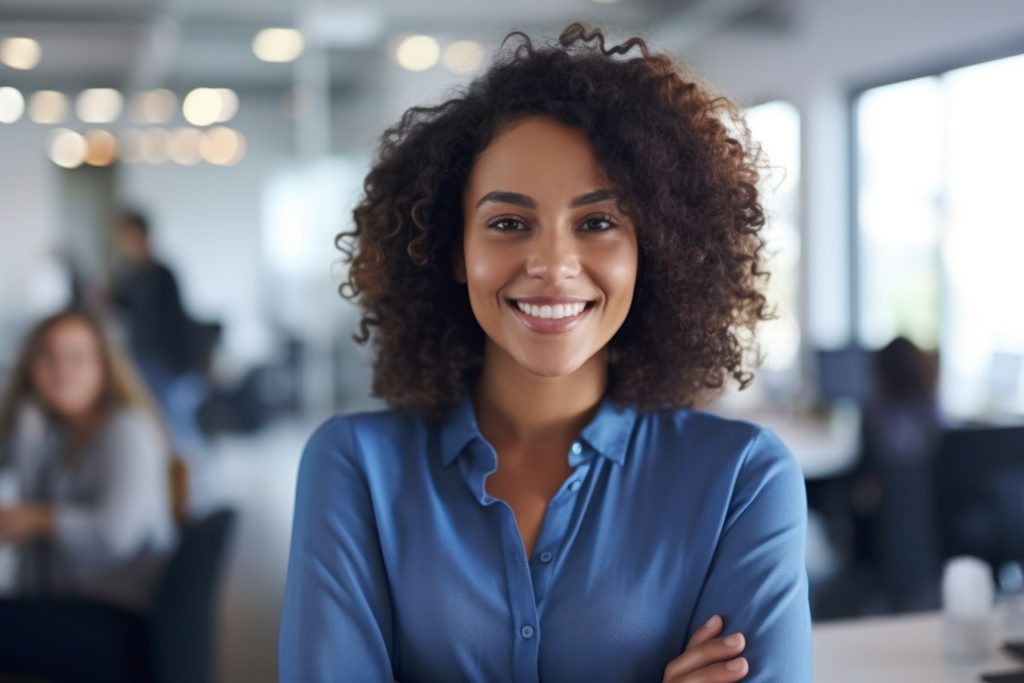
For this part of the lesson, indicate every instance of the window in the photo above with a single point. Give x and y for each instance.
(776, 126)
(940, 236)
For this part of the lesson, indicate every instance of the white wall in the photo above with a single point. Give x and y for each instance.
(28, 232)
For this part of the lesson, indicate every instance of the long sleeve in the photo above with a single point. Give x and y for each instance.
(336, 623)
(132, 500)
(758, 579)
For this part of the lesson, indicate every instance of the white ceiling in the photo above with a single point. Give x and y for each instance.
(183, 43)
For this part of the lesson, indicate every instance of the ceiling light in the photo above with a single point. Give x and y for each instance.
(154, 106)
(417, 53)
(278, 45)
(228, 104)
(153, 144)
(101, 148)
(222, 146)
(12, 104)
(48, 107)
(20, 53)
(67, 148)
(99, 105)
(204, 106)
(130, 144)
(463, 56)
(183, 146)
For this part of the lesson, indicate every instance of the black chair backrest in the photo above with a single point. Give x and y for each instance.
(183, 620)
(980, 493)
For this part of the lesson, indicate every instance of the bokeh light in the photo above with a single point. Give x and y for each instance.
(99, 105)
(20, 53)
(154, 106)
(278, 45)
(130, 145)
(222, 146)
(205, 106)
(228, 104)
(153, 144)
(417, 53)
(48, 107)
(12, 104)
(463, 56)
(101, 148)
(67, 148)
(183, 146)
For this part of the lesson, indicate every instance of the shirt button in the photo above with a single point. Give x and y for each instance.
(577, 447)
(546, 557)
(575, 486)
(527, 631)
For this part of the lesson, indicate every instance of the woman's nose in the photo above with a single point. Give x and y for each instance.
(553, 257)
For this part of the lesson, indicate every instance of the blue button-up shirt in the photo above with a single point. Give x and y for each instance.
(403, 567)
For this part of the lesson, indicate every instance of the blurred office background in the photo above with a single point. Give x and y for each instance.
(243, 129)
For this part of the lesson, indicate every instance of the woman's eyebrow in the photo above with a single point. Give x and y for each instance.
(528, 202)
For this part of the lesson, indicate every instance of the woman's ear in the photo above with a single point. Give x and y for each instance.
(458, 265)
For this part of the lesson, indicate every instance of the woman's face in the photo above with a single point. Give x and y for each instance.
(543, 233)
(67, 373)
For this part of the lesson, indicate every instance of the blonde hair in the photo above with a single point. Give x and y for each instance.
(121, 386)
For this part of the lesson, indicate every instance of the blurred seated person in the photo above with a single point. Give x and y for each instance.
(91, 463)
(160, 332)
(894, 479)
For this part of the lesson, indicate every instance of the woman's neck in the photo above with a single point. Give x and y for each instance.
(83, 426)
(515, 407)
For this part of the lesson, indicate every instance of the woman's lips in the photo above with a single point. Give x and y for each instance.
(550, 325)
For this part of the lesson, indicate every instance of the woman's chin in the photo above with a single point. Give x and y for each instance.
(68, 410)
(549, 367)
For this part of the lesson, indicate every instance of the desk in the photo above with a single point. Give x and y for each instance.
(894, 649)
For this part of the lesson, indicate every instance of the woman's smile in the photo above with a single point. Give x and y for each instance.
(556, 317)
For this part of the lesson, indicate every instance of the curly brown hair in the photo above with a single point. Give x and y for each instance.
(683, 159)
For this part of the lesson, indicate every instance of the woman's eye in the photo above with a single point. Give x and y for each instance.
(598, 223)
(506, 224)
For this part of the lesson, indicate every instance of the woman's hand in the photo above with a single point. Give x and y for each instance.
(25, 522)
(708, 659)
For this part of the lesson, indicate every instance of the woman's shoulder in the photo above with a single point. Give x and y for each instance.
(131, 424)
(131, 417)
(349, 434)
(738, 460)
(718, 436)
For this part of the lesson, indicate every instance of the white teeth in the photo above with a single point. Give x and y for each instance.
(552, 312)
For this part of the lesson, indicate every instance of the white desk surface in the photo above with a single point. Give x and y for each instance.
(894, 649)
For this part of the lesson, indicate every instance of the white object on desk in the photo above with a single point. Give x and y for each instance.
(968, 593)
(895, 649)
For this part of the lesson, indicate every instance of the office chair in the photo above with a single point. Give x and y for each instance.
(980, 493)
(83, 641)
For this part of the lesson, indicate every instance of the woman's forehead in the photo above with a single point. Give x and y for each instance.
(537, 157)
(70, 331)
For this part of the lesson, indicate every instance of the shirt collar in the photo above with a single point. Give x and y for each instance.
(608, 432)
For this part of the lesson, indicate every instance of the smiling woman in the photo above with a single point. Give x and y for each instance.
(554, 267)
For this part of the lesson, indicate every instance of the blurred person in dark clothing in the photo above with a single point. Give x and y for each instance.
(91, 465)
(147, 293)
(900, 429)
(160, 332)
